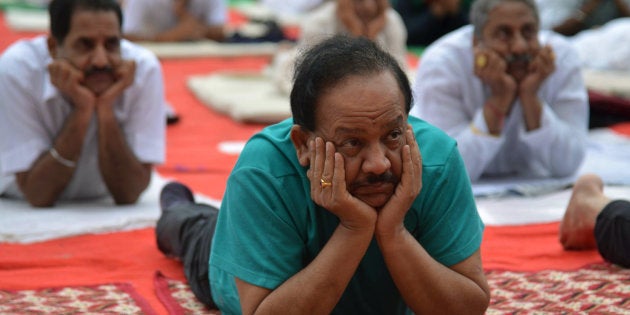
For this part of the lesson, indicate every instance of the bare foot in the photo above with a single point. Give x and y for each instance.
(587, 201)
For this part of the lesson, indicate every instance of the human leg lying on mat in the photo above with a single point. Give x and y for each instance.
(592, 220)
(184, 231)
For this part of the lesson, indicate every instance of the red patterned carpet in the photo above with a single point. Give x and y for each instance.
(594, 289)
(116, 298)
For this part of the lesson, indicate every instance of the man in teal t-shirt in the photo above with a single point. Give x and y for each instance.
(337, 210)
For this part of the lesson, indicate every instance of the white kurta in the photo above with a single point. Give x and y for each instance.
(449, 95)
(33, 111)
(323, 23)
(148, 18)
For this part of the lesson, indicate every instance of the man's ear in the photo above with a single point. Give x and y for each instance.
(52, 46)
(300, 139)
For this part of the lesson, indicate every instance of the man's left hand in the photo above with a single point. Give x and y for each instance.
(125, 73)
(541, 66)
(391, 217)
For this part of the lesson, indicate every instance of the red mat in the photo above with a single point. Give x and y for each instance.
(123, 257)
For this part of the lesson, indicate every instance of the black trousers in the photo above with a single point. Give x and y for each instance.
(612, 232)
(185, 232)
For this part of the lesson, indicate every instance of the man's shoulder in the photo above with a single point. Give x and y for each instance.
(137, 52)
(435, 145)
(554, 39)
(24, 64)
(271, 149)
(31, 50)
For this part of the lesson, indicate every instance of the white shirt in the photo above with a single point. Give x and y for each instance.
(554, 13)
(32, 112)
(323, 23)
(148, 18)
(449, 95)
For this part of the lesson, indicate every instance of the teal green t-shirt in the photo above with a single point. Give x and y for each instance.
(269, 228)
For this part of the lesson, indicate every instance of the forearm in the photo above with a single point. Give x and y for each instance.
(48, 177)
(427, 286)
(176, 34)
(575, 23)
(532, 111)
(45, 181)
(318, 287)
(124, 176)
(215, 32)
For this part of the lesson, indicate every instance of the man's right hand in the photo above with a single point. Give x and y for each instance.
(327, 164)
(68, 79)
(491, 69)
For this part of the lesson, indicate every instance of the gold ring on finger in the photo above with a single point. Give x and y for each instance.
(324, 183)
(481, 61)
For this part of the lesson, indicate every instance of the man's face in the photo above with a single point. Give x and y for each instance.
(364, 117)
(512, 32)
(93, 47)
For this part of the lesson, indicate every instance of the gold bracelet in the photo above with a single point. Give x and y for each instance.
(63, 161)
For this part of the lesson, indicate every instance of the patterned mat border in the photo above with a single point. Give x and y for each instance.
(595, 289)
(107, 298)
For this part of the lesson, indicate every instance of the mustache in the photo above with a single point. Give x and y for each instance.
(516, 58)
(387, 177)
(98, 70)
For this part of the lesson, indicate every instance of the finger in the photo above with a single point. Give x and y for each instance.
(549, 59)
(416, 158)
(53, 71)
(319, 159)
(314, 176)
(496, 63)
(126, 71)
(339, 173)
(376, 26)
(412, 160)
(329, 163)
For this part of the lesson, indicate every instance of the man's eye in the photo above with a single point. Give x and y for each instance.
(84, 45)
(395, 135)
(112, 44)
(350, 147)
(503, 34)
(528, 33)
(350, 143)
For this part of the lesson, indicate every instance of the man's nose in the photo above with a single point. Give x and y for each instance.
(100, 58)
(519, 44)
(376, 160)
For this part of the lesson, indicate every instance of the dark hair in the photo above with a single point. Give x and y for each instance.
(324, 65)
(61, 12)
(480, 10)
